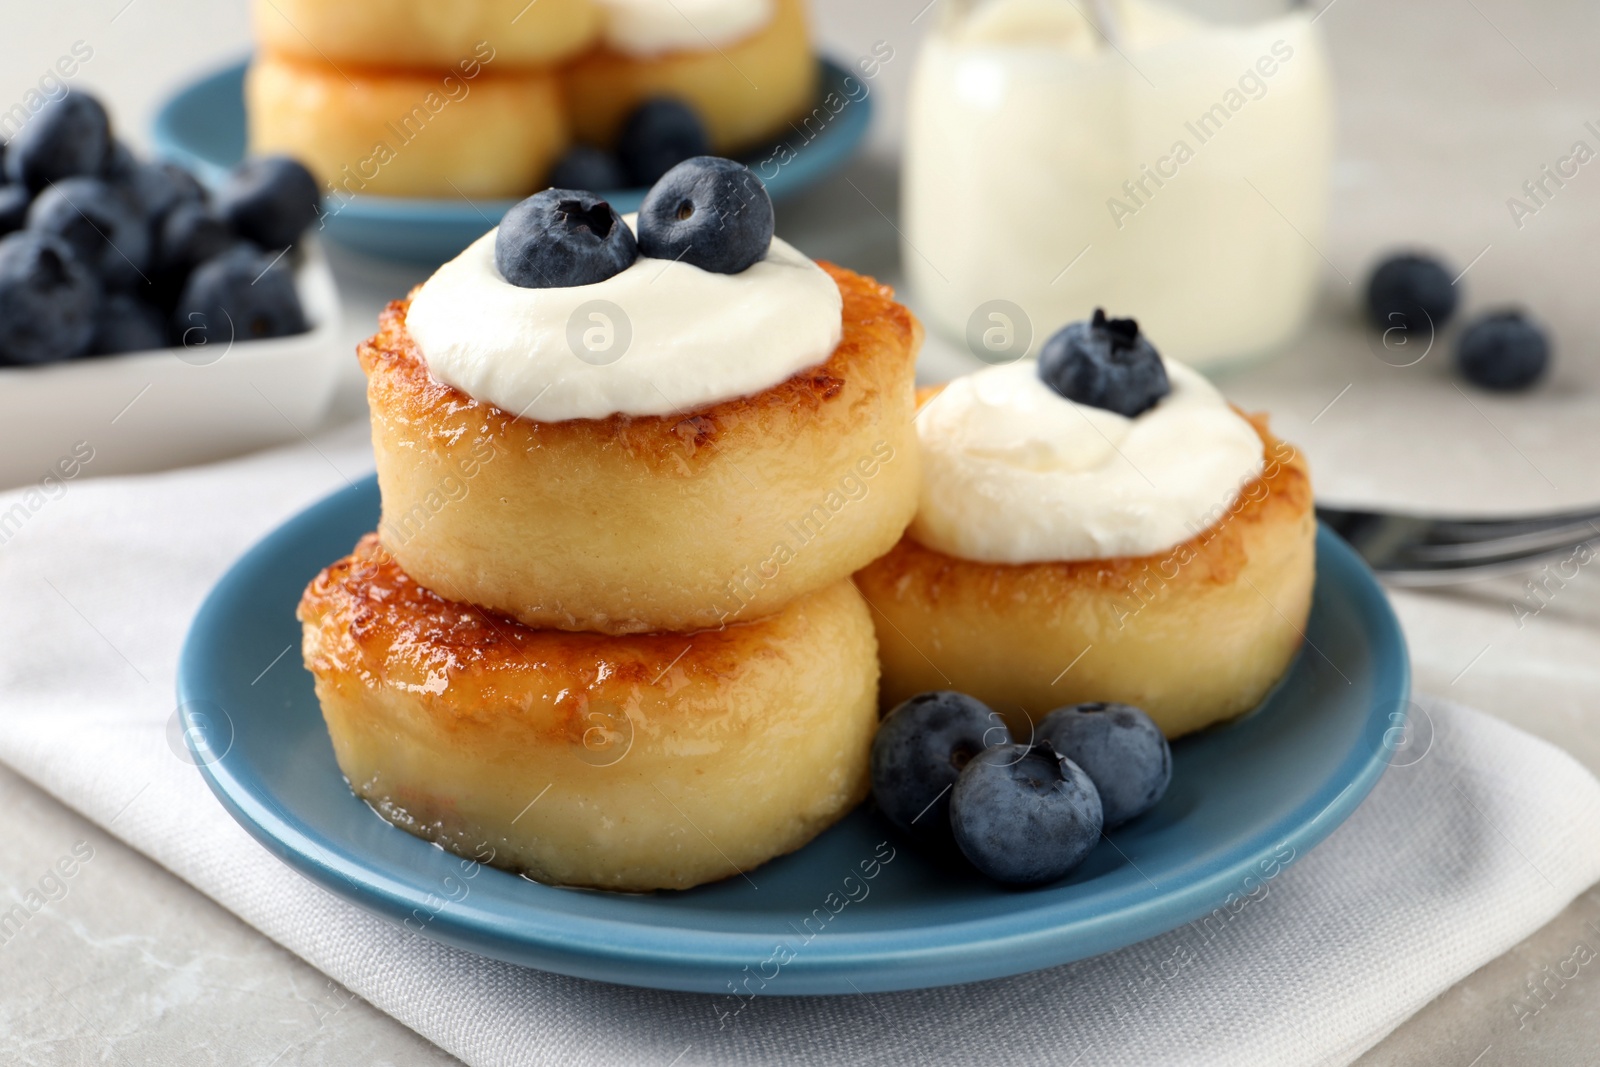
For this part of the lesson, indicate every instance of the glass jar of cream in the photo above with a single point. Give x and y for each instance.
(1164, 159)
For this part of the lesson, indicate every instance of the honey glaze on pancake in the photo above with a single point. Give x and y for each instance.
(873, 326)
(480, 667)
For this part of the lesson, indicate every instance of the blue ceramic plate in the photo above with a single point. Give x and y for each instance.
(203, 127)
(853, 911)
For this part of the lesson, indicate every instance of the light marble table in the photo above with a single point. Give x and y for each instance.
(1446, 106)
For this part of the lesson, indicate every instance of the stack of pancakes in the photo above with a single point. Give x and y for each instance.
(747, 92)
(415, 98)
(624, 652)
(479, 98)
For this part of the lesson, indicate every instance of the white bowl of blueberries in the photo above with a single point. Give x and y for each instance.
(146, 322)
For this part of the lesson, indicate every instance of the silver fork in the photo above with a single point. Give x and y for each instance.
(1414, 550)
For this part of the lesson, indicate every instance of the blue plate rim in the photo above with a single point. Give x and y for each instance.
(689, 960)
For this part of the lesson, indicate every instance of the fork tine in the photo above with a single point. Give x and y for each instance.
(1464, 574)
(1532, 542)
(1414, 550)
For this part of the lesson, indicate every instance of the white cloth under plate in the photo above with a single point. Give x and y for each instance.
(1450, 862)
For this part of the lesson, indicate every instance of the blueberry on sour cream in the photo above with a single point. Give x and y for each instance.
(1104, 363)
(708, 211)
(560, 238)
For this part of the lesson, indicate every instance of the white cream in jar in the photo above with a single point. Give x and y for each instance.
(1180, 177)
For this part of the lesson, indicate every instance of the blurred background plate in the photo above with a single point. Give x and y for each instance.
(203, 127)
(170, 407)
(1247, 800)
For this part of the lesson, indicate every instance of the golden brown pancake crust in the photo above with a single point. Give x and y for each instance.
(657, 760)
(631, 524)
(397, 131)
(401, 634)
(748, 93)
(876, 328)
(427, 35)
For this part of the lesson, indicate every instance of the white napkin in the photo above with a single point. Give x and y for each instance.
(1450, 862)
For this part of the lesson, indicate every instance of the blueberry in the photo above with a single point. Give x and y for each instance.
(1024, 815)
(69, 137)
(1104, 363)
(190, 234)
(1123, 752)
(243, 294)
(587, 167)
(920, 748)
(47, 299)
(657, 136)
(120, 163)
(157, 188)
(100, 225)
(1410, 292)
(563, 237)
(269, 200)
(14, 201)
(709, 212)
(126, 324)
(1503, 351)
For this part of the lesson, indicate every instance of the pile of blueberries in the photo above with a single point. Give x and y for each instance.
(709, 212)
(658, 135)
(946, 771)
(1413, 295)
(102, 253)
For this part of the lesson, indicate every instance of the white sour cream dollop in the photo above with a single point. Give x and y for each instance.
(1014, 473)
(647, 28)
(660, 338)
